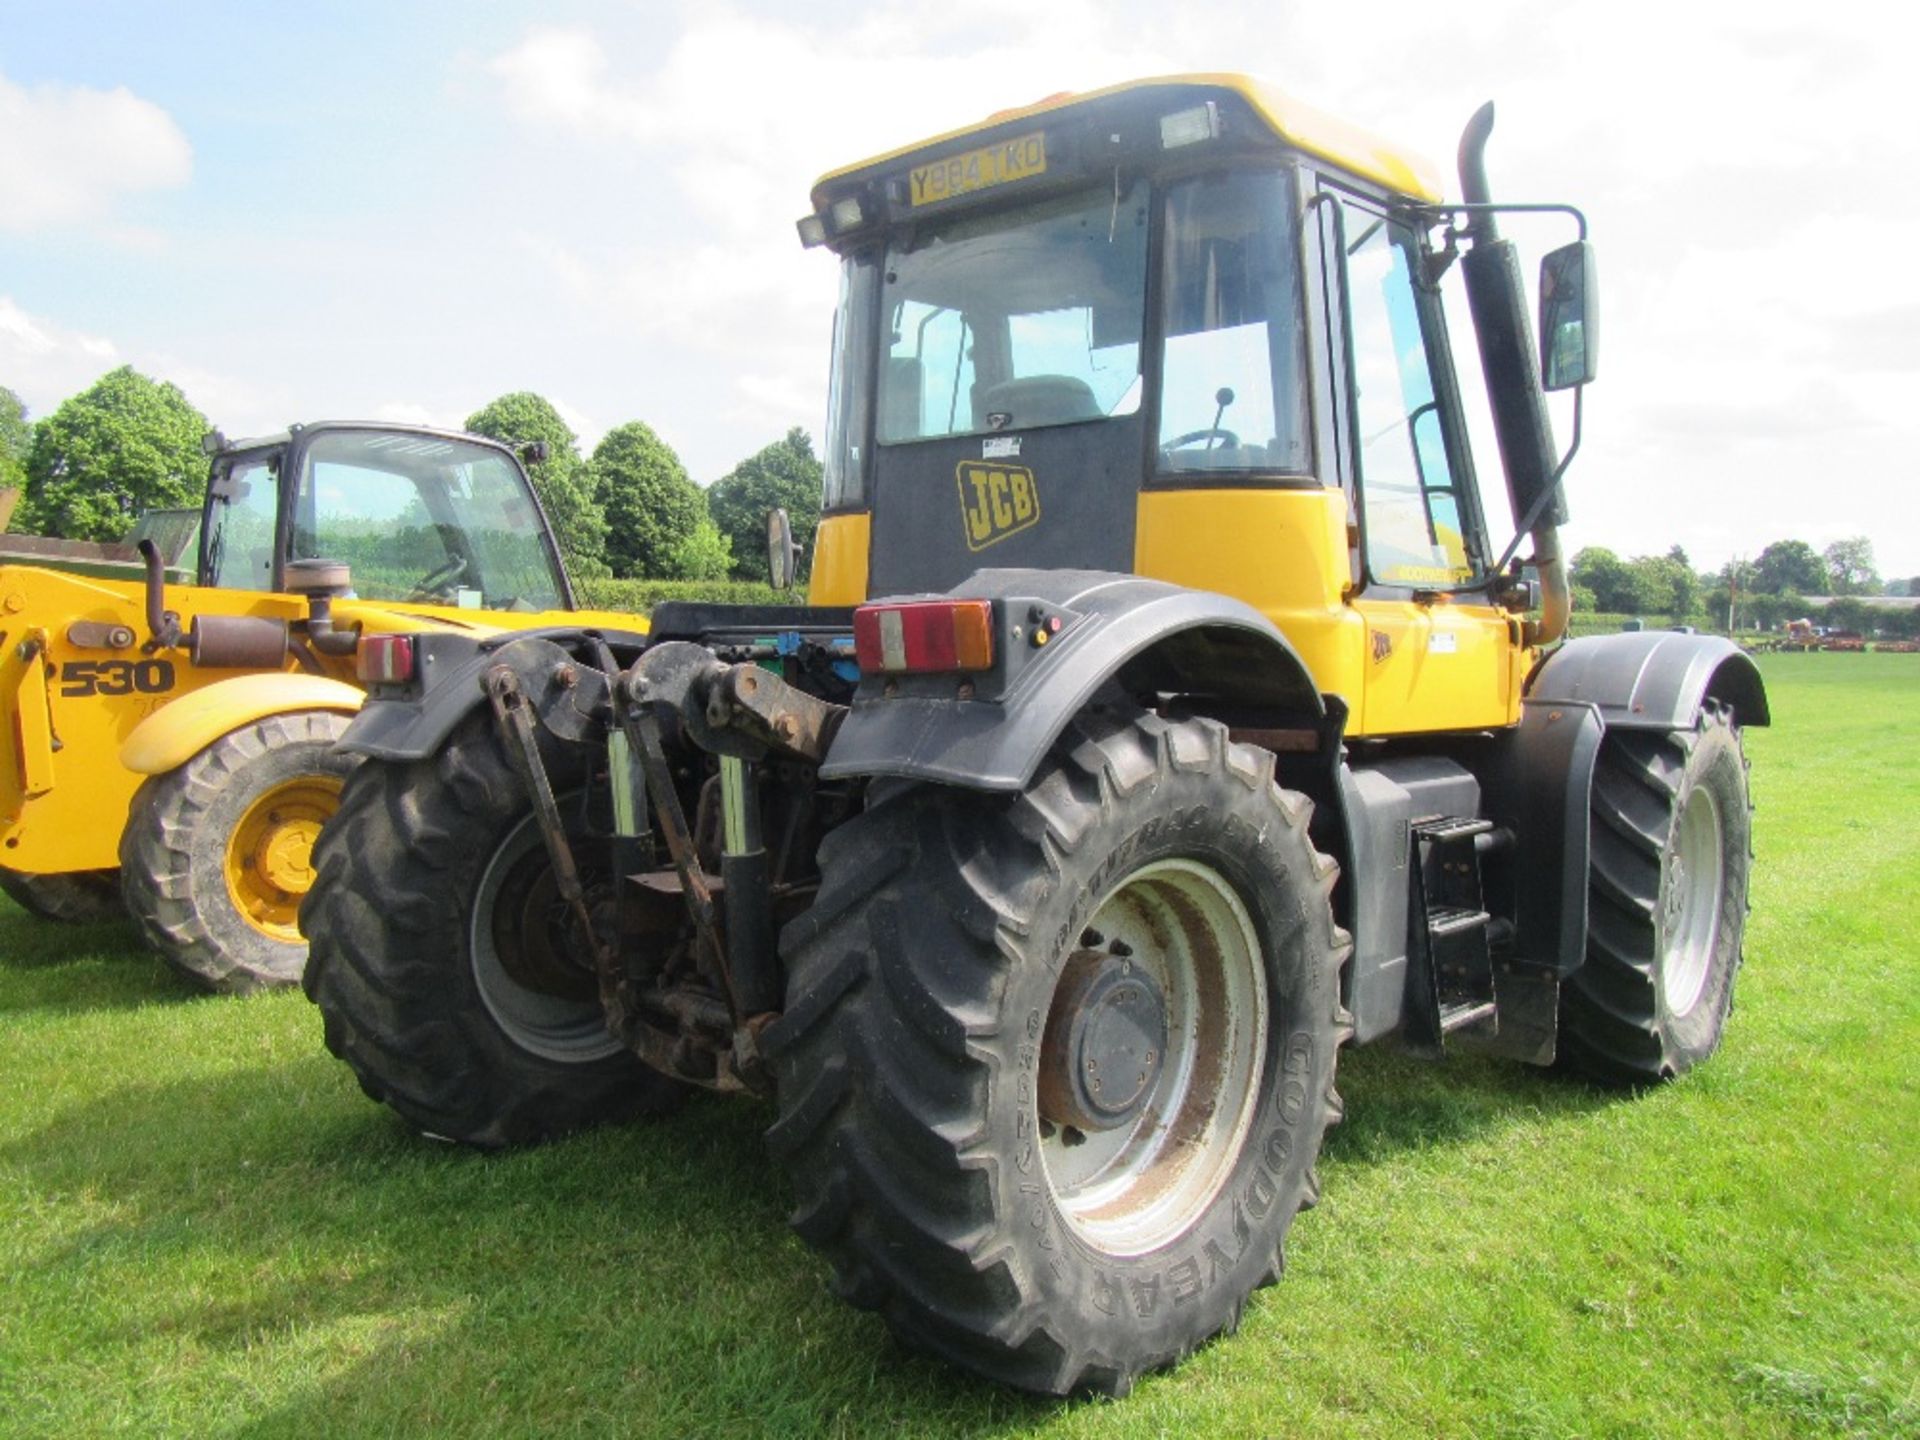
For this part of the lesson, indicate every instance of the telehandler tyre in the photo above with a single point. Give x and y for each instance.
(1672, 848)
(1055, 1068)
(498, 1037)
(77, 897)
(217, 853)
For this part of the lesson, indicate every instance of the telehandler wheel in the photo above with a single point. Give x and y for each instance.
(1054, 1070)
(447, 969)
(76, 897)
(217, 853)
(1672, 847)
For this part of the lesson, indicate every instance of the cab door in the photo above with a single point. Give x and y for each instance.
(1438, 655)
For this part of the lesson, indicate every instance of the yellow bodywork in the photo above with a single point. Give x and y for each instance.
(87, 723)
(1298, 124)
(1403, 668)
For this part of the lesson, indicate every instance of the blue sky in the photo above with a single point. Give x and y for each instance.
(404, 209)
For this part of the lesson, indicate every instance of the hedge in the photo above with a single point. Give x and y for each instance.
(640, 596)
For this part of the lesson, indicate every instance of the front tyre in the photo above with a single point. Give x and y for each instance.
(448, 971)
(1667, 905)
(1054, 1070)
(74, 897)
(218, 852)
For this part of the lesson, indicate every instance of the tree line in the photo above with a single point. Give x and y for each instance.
(1788, 580)
(128, 444)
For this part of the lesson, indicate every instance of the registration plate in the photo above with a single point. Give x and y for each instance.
(981, 169)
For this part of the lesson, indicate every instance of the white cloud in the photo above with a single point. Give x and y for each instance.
(407, 412)
(585, 428)
(67, 153)
(43, 362)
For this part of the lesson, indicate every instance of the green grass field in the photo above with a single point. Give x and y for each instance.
(206, 1230)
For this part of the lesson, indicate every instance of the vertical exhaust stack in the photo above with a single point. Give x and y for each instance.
(1497, 298)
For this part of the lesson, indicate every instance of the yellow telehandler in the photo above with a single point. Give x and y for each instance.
(171, 744)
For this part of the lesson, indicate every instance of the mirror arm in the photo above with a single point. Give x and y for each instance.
(1435, 214)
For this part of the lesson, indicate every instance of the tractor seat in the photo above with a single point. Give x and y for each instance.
(1038, 400)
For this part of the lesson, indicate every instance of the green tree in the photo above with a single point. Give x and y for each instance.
(784, 473)
(651, 504)
(706, 554)
(562, 480)
(1789, 566)
(1608, 577)
(1848, 613)
(16, 439)
(1850, 567)
(124, 445)
(1664, 585)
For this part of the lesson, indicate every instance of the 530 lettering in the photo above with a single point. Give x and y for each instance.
(115, 677)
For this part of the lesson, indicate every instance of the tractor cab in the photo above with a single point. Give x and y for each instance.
(1187, 329)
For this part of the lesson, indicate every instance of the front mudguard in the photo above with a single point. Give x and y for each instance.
(174, 734)
(1652, 679)
(1543, 786)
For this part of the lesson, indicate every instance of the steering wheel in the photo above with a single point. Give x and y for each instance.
(1212, 432)
(433, 585)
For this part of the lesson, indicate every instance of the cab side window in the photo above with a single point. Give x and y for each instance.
(240, 543)
(1415, 523)
(1233, 390)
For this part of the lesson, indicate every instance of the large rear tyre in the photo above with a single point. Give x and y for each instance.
(76, 897)
(218, 853)
(448, 971)
(1667, 906)
(1054, 1070)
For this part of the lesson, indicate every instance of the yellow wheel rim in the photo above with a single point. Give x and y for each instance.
(270, 853)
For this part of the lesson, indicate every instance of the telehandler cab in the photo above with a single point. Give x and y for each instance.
(1165, 717)
(173, 742)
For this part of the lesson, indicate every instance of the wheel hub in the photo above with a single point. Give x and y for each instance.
(1106, 1041)
(269, 857)
(286, 858)
(538, 939)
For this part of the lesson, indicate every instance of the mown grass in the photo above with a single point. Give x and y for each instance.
(206, 1230)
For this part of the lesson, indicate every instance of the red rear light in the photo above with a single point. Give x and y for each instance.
(385, 660)
(924, 636)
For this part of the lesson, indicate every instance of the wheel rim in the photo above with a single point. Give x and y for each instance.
(523, 942)
(269, 859)
(1173, 1132)
(1690, 901)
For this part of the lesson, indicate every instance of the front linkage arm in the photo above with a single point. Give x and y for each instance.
(742, 714)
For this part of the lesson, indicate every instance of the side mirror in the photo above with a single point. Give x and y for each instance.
(535, 452)
(783, 552)
(1569, 317)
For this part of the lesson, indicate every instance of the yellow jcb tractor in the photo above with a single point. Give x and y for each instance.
(172, 743)
(1166, 716)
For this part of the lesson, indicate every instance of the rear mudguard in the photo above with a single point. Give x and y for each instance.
(411, 722)
(989, 731)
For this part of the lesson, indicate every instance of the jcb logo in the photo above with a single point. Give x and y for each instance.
(996, 501)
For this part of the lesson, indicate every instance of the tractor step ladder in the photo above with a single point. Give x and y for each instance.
(1452, 968)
